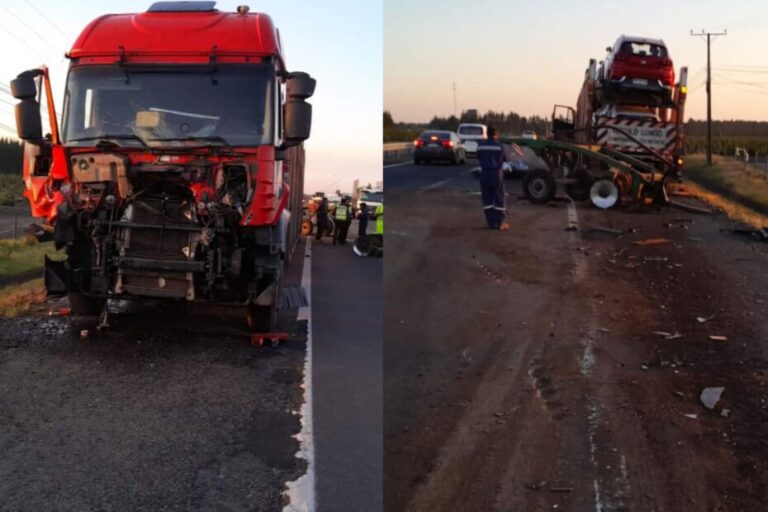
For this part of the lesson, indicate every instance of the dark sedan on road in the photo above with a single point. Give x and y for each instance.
(435, 145)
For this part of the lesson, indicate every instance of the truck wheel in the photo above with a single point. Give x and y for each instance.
(578, 191)
(539, 186)
(83, 305)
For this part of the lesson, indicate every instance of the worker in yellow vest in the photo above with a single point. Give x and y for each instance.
(342, 217)
(379, 216)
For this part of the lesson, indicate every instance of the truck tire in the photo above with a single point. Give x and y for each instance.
(578, 191)
(83, 305)
(539, 186)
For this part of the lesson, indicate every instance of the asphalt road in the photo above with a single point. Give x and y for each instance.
(347, 378)
(14, 219)
(172, 409)
(525, 369)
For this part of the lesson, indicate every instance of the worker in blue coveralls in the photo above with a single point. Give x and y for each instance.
(492, 155)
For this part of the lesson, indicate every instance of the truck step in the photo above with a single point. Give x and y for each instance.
(293, 297)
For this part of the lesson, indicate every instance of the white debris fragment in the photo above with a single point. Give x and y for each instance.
(710, 396)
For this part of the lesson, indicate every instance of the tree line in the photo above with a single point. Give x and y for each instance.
(726, 134)
(11, 156)
(510, 123)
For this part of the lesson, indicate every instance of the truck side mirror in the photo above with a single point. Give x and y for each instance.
(608, 49)
(298, 121)
(298, 113)
(29, 125)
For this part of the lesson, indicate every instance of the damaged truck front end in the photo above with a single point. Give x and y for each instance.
(169, 180)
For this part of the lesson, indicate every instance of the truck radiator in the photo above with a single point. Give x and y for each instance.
(157, 239)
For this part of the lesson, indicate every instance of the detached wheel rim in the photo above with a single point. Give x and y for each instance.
(604, 194)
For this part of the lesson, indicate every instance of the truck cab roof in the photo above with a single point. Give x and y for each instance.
(177, 32)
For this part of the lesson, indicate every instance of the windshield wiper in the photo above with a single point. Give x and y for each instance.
(104, 139)
(210, 138)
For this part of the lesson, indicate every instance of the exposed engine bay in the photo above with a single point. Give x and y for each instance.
(163, 229)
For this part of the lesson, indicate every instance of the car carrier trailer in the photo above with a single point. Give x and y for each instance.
(598, 154)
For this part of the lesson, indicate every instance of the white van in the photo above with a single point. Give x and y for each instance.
(470, 133)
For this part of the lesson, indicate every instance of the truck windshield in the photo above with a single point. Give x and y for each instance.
(170, 106)
(373, 197)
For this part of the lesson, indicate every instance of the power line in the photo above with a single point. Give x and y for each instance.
(42, 38)
(7, 128)
(42, 15)
(742, 88)
(747, 20)
(24, 43)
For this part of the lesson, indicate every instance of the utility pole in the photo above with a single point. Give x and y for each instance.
(454, 99)
(709, 88)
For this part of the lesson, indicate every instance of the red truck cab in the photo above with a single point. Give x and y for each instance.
(171, 175)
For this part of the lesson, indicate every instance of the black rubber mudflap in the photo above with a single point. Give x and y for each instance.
(293, 297)
(55, 277)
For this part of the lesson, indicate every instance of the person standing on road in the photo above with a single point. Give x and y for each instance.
(491, 155)
(322, 219)
(362, 220)
(341, 217)
(379, 216)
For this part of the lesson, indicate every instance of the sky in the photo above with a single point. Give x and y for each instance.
(527, 56)
(339, 42)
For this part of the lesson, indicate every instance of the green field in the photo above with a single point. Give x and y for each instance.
(11, 189)
(17, 256)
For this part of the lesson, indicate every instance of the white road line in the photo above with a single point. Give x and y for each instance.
(301, 492)
(588, 360)
(397, 165)
(573, 216)
(437, 184)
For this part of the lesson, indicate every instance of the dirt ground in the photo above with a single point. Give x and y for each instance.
(528, 370)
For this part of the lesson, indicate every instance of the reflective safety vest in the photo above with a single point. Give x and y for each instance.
(379, 219)
(341, 212)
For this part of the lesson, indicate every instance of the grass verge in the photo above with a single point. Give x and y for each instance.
(19, 298)
(730, 180)
(19, 256)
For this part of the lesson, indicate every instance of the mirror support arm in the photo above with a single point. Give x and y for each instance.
(51, 107)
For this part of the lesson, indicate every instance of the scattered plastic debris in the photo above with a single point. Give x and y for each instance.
(725, 413)
(668, 335)
(84, 334)
(651, 241)
(692, 416)
(537, 486)
(607, 231)
(710, 396)
(718, 338)
(60, 312)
